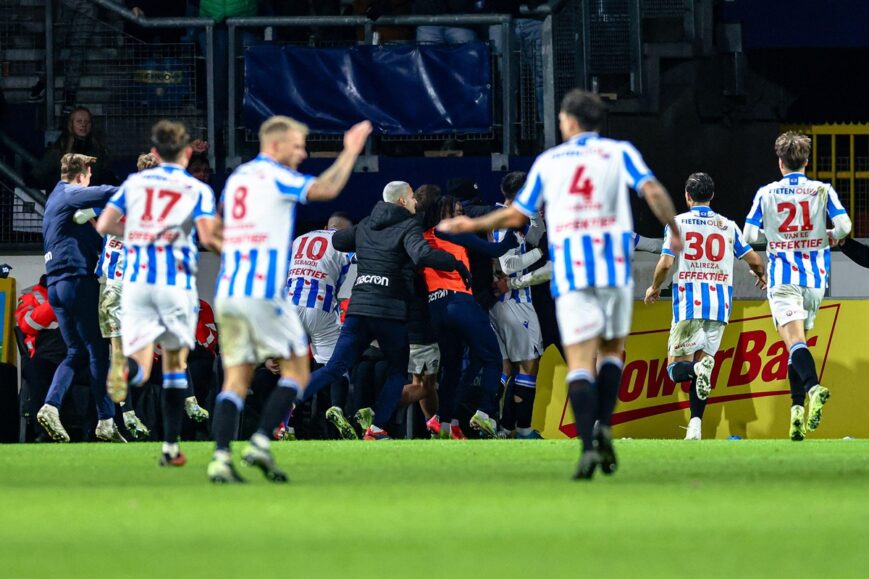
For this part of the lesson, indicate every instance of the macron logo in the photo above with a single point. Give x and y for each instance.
(48, 257)
(373, 279)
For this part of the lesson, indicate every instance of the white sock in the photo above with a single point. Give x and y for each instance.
(105, 423)
(171, 448)
(524, 431)
(376, 429)
(260, 440)
(222, 456)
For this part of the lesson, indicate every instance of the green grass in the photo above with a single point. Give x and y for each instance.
(440, 509)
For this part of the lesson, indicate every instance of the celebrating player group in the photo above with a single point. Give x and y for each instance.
(162, 215)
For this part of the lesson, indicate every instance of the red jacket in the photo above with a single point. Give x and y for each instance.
(206, 328)
(34, 314)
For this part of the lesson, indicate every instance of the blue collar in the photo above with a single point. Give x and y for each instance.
(583, 138)
(702, 209)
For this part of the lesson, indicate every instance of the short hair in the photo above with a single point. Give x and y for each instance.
(336, 218)
(73, 164)
(169, 138)
(793, 149)
(280, 124)
(425, 195)
(512, 183)
(585, 107)
(146, 161)
(700, 187)
(394, 191)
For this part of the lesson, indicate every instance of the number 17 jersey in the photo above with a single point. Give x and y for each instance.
(703, 282)
(259, 206)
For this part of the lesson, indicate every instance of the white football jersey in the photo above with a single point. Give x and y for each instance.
(259, 214)
(160, 206)
(317, 270)
(793, 214)
(703, 282)
(584, 185)
(110, 267)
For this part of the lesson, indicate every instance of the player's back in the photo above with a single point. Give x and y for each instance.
(160, 207)
(703, 282)
(258, 219)
(110, 267)
(317, 270)
(517, 295)
(584, 184)
(793, 214)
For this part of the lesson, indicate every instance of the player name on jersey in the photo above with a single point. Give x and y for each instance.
(317, 270)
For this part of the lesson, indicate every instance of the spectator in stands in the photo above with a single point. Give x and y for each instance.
(199, 167)
(443, 34)
(78, 137)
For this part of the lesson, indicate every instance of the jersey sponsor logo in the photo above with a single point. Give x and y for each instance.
(48, 257)
(373, 279)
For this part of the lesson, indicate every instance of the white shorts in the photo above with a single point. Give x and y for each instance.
(323, 329)
(517, 329)
(792, 302)
(160, 315)
(424, 359)
(591, 312)
(110, 310)
(690, 336)
(252, 330)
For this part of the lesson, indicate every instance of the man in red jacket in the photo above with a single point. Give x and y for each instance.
(34, 314)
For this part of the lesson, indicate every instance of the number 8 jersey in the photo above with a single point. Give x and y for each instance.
(793, 214)
(703, 282)
(160, 206)
(259, 206)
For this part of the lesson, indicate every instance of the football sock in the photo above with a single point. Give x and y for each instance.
(174, 393)
(798, 390)
(697, 405)
(804, 364)
(583, 400)
(609, 378)
(278, 406)
(135, 373)
(227, 411)
(681, 371)
(508, 409)
(523, 396)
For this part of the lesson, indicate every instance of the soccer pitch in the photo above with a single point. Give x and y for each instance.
(440, 509)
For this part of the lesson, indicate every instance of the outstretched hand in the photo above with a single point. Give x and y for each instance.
(460, 224)
(354, 139)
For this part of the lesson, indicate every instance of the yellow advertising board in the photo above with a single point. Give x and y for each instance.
(8, 301)
(750, 396)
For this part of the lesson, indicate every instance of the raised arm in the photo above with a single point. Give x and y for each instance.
(345, 239)
(330, 183)
(472, 242)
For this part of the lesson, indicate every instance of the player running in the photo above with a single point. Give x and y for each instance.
(702, 291)
(159, 302)
(793, 215)
(256, 318)
(584, 185)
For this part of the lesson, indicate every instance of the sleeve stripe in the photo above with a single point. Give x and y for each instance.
(114, 203)
(528, 200)
(666, 251)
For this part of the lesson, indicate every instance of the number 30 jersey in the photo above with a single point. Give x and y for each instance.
(703, 282)
(584, 184)
(161, 206)
(793, 214)
(317, 271)
(259, 213)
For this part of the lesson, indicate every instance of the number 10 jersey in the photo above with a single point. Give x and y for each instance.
(703, 282)
(259, 207)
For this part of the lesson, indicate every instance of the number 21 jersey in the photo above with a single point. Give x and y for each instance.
(793, 214)
(259, 206)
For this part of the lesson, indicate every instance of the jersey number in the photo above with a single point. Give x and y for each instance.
(791, 209)
(239, 209)
(580, 186)
(173, 197)
(695, 248)
(316, 248)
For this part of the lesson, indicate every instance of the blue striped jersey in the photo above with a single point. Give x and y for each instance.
(583, 184)
(317, 271)
(793, 215)
(259, 215)
(703, 281)
(110, 267)
(161, 206)
(517, 295)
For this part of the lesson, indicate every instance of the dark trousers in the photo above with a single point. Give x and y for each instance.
(356, 335)
(75, 301)
(458, 320)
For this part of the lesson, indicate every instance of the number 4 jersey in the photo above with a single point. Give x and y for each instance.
(793, 214)
(160, 206)
(259, 206)
(703, 282)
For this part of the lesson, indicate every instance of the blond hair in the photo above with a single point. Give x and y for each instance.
(278, 125)
(793, 149)
(146, 161)
(73, 164)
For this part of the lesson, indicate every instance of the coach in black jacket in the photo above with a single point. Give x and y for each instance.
(389, 248)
